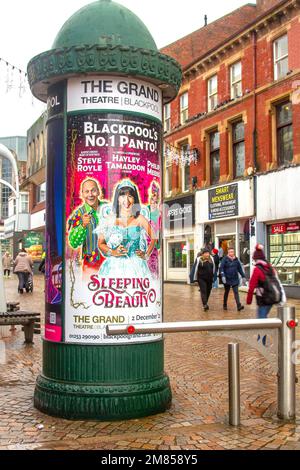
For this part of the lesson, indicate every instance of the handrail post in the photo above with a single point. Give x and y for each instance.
(286, 365)
(234, 384)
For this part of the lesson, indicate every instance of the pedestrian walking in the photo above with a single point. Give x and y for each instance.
(205, 276)
(266, 283)
(230, 269)
(6, 263)
(23, 268)
(216, 258)
(194, 270)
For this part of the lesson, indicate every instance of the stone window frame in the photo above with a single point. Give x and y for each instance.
(234, 83)
(276, 61)
(212, 93)
(184, 110)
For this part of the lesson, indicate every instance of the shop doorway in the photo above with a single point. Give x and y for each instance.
(224, 243)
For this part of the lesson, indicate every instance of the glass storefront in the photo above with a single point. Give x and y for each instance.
(244, 245)
(284, 251)
(178, 255)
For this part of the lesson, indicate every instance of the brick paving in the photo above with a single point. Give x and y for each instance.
(197, 366)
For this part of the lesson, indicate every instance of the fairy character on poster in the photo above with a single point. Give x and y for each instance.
(125, 235)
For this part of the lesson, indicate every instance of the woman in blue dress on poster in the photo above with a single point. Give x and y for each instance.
(123, 236)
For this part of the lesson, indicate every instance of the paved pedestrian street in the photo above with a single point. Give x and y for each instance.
(197, 366)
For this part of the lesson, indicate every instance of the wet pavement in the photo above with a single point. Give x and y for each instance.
(197, 366)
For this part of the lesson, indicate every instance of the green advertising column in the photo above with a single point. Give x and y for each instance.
(105, 84)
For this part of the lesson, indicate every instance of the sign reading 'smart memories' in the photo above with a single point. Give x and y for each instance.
(223, 202)
(114, 94)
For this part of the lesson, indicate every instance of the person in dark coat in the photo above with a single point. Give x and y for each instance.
(205, 276)
(230, 269)
(216, 258)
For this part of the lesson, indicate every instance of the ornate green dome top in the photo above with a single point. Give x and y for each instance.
(105, 23)
(104, 38)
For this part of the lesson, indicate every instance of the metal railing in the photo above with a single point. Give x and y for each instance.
(285, 324)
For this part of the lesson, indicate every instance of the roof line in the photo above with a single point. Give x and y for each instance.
(250, 25)
(209, 24)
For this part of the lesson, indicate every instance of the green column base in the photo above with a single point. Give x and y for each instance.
(106, 403)
(102, 382)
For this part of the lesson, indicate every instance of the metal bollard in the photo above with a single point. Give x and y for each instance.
(286, 368)
(234, 384)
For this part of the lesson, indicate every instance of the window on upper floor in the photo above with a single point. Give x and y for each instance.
(185, 166)
(168, 177)
(212, 93)
(238, 142)
(24, 203)
(184, 107)
(167, 117)
(281, 59)
(236, 80)
(214, 151)
(284, 125)
(41, 193)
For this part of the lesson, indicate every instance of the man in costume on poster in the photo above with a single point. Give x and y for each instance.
(83, 223)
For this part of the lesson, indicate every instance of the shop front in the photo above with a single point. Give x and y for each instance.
(223, 219)
(279, 210)
(179, 250)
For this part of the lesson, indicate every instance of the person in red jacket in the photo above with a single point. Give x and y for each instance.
(256, 283)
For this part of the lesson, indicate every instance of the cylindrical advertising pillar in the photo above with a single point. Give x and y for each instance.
(105, 84)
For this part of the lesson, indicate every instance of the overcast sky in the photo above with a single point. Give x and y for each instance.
(29, 27)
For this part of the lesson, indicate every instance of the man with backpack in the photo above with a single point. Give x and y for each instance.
(269, 290)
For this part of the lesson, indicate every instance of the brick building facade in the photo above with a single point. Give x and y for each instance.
(235, 122)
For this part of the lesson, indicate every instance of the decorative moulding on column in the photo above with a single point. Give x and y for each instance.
(60, 64)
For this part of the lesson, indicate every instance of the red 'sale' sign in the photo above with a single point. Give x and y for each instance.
(284, 228)
(278, 228)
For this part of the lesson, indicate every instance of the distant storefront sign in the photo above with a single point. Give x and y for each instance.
(33, 244)
(223, 202)
(179, 213)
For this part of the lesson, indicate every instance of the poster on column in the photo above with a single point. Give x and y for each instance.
(113, 221)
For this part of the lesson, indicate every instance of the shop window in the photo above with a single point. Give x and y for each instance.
(284, 251)
(215, 157)
(209, 236)
(284, 123)
(167, 117)
(184, 107)
(238, 141)
(212, 93)
(281, 59)
(244, 245)
(236, 80)
(177, 255)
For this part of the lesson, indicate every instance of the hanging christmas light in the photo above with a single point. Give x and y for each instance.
(177, 155)
(12, 78)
